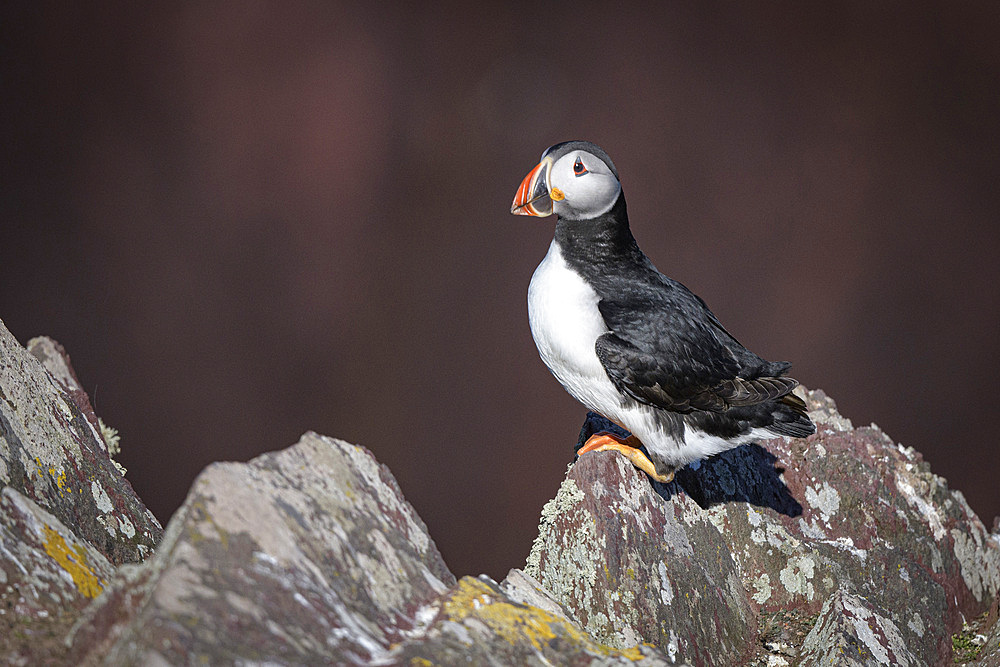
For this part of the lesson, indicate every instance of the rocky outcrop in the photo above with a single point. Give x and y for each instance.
(841, 547)
(311, 555)
(482, 623)
(842, 516)
(48, 576)
(307, 555)
(52, 451)
(852, 630)
(67, 516)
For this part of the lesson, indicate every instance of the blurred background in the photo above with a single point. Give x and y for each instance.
(245, 220)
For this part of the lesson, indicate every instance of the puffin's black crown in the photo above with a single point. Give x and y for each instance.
(558, 150)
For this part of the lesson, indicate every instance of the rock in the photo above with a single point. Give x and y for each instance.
(852, 631)
(841, 547)
(47, 577)
(762, 530)
(633, 568)
(979, 639)
(56, 361)
(524, 589)
(53, 453)
(990, 654)
(478, 623)
(311, 555)
(308, 555)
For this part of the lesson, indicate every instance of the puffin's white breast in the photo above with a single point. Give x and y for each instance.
(565, 323)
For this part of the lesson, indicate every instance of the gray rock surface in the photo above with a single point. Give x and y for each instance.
(707, 561)
(851, 631)
(311, 555)
(54, 358)
(479, 623)
(51, 452)
(632, 567)
(308, 555)
(47, 577)
(990, 655)
(841, 547)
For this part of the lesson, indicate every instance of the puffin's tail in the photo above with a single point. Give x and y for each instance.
(791, 418)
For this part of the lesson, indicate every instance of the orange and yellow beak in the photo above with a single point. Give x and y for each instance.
(533, 197)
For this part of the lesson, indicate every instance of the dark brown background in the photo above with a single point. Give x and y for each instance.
(248, 219)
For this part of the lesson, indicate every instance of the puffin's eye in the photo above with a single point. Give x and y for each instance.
(578, 168)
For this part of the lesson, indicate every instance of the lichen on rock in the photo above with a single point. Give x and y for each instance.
(477, 622)
(51, 450)
(314, 545)
(852, 630)
(48, 575)
(793, 523)
(842, 547)
(628, 566)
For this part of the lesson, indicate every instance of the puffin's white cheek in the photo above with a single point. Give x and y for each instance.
(593, 201)
(590, 200)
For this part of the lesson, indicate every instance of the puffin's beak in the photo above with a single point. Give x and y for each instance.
(532, 197)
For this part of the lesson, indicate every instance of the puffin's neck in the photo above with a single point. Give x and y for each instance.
(599, 242)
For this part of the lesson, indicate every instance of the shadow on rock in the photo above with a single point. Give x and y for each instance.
(747, 473)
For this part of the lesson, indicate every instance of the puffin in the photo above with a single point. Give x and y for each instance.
(633, 345)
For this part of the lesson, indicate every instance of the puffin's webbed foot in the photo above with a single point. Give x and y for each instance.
(629, 448)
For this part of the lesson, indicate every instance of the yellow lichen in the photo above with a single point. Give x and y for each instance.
(60, 477)
(515, 622)
(57, 475)
(73, 561)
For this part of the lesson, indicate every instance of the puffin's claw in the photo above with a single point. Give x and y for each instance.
(600, 442)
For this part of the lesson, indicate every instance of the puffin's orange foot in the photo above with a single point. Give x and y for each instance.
(629, 449)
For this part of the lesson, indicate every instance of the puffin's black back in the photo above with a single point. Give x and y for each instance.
(665, 346)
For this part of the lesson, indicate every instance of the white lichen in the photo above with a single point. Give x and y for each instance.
(567, 497)
(776, 535)
(878, 633)
(666, 587)
(634, 501)
(877, 638)
(101, 497)
(111, 437)
(811, 529)
(762, 586)
(113, 441)
(979, 566)
(717, 515)
(126, 527)
(673, 646)
(846, 543)
(925, 508)
(825, 499)
(797, 574)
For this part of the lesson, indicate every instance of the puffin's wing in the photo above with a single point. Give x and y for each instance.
(674, 354)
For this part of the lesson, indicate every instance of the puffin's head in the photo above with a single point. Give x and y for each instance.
(575, 180)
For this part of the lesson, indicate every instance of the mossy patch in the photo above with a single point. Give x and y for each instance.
(966, 645)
